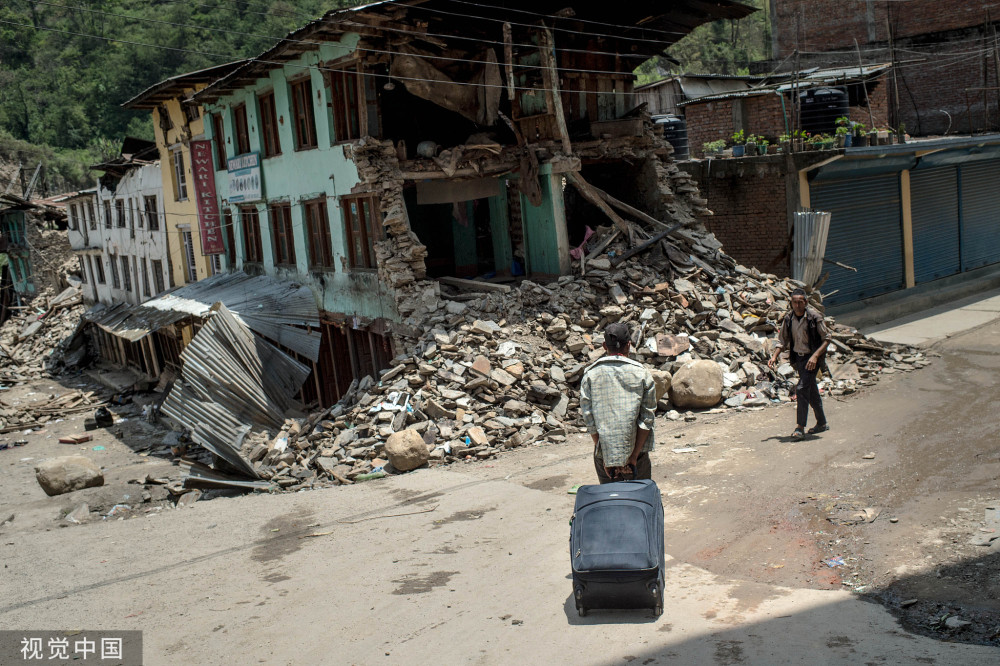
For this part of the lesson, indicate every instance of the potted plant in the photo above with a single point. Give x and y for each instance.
(751, 145)
(712, 148)
(785, 140)
(883, 135)
(860, 136)
(799, 138)
(844, 134)
(739, 143)
(762, 145)
(901, 133)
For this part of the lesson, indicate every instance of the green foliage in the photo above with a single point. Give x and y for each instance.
(65, 169)
(739, 138)
(722, 47)
(65, 90)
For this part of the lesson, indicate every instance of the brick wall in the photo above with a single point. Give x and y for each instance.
(719, 119)
(748, 199)
(824, 25)
(763, 114)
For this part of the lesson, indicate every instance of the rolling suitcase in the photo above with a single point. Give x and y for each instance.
(616, 547)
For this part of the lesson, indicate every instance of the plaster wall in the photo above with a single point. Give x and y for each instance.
(135, 240)
(296, 176)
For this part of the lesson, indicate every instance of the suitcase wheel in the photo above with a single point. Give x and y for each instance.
(582, 611)
(659, 610)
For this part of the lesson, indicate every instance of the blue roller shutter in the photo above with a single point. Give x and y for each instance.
(980, 192)
(866, 232)
(934, 197)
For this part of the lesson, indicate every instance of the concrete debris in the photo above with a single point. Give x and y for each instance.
(16, 416)
(62, 475)
(697, 384)
(43, 340)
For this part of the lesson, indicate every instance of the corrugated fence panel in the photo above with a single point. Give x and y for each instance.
(980, 183)
(934, 196)
(866, 232)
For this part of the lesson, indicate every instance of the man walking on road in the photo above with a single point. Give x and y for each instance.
(618, 401)
(804, 334)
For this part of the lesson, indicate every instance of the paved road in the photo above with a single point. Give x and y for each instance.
(469, 564)
(930, 326)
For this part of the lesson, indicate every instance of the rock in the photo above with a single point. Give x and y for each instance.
(560, 408)
(478, 436)
(188, 498)
(662, 379)
(601, 263)
(66, 474)
(487, 328)
(406, 450)
(455, 308)
(697, 384)
(482, 366)
(503, 377)
(543, 394)
(436, 411)
(557, 374)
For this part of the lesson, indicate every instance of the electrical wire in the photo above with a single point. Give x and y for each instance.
(305, 42)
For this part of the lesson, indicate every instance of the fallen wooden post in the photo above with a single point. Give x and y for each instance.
(630, 210)
(473, 285)
(837, 263)
(587, 190)
(645, 246)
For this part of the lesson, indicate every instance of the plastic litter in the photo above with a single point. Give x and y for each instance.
(573, 489)
(837, 561)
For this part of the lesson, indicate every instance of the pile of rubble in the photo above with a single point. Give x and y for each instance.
(500, 369)
(42, 339)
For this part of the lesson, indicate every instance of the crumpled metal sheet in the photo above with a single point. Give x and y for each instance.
(232, 380)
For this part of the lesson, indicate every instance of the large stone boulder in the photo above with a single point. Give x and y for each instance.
(66, 474)
(697, 384)
(662, 379)
(406, 450)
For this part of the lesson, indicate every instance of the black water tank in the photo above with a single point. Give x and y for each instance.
(676, 134)
(821, 107)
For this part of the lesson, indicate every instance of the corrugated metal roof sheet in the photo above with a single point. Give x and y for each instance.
(231, 381)
(274, 308)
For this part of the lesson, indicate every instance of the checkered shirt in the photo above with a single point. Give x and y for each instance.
(617, 396)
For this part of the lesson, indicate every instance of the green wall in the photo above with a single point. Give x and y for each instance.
(297, 176)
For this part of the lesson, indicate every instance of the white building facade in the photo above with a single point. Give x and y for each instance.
(120, 232)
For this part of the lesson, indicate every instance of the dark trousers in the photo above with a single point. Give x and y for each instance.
(807, 393)
(643, 468)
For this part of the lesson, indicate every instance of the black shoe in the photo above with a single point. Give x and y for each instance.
(818, 428)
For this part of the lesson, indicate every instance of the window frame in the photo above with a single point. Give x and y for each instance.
(219, 131)
(318, 236)
(99, 274)
(92, 222)
(270, 137)
(108, 221)
(368, 230)
(158, 282)
(303, 114)
(180, 178)
(126, 274)
(152, 216)
(253, 250)
(282, 234)
(120, 213)
(241, 129)
(341, 107)
(116, 281)
(74, 218)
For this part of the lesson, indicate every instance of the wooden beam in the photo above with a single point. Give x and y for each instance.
(644, 246)
(552, 93)
(473, 285)
(587, 190)
(631, 210)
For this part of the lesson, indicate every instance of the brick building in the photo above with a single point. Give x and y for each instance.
(946, 77)
(767, 109)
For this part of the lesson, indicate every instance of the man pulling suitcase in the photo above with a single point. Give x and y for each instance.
(618, 401)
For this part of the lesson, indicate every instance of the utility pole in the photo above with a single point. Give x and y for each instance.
(864, 83)
(895, 82)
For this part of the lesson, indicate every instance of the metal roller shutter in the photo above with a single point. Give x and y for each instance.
(980, 192)
(934, 196)
(866, 232)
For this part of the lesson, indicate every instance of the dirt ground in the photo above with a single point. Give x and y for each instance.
(468, 562)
